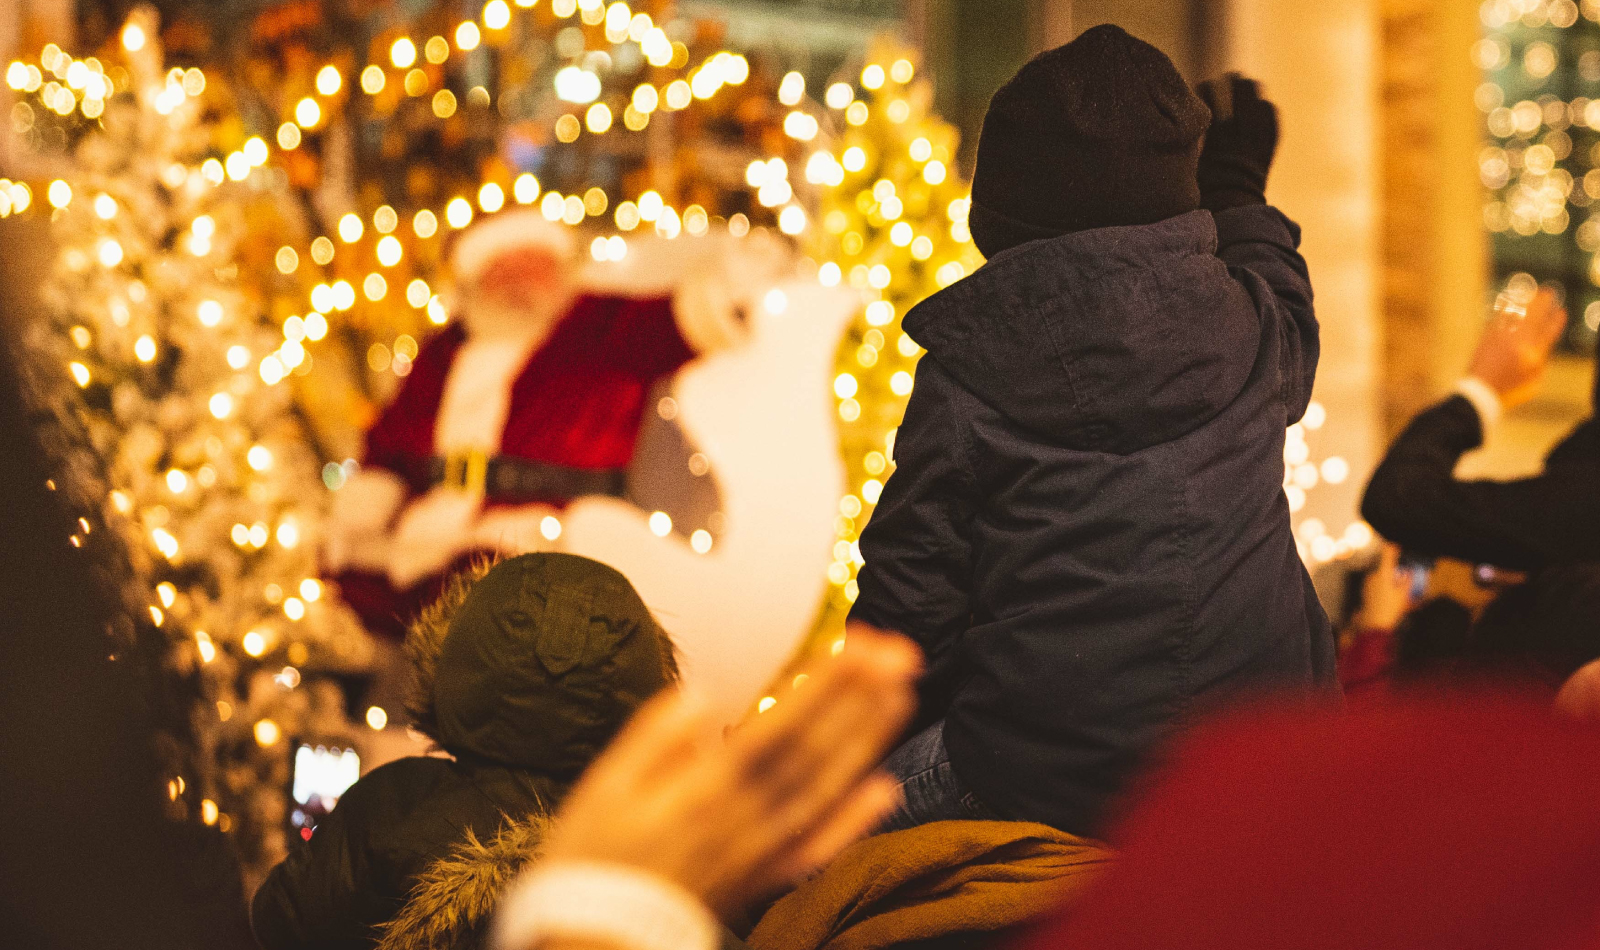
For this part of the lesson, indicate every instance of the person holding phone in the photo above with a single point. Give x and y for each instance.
(522, 673)
(1415, 499)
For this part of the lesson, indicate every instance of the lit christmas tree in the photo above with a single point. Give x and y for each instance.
(892, 224)
(171, 369)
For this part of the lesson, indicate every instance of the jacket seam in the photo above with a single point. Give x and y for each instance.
(1040, 309)
(964, 418)
(1186, 639)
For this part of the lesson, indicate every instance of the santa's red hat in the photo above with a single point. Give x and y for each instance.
(509, 231)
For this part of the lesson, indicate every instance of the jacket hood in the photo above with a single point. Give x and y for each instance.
(453, 902)
(535, 662)
(1107, 340)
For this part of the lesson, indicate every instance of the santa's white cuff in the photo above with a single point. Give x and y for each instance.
(707, 309)
(434, 530)
(1484, 399)
(609, 903)
(368, 501)
(356, 534)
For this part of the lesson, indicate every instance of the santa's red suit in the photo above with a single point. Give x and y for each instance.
(491, 431)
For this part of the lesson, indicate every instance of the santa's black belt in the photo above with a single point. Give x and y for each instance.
(507, 479)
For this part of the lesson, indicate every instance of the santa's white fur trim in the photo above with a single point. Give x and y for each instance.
(368, 501)
(710, 313)
(434, 530)
(358, 524)
(507, 231)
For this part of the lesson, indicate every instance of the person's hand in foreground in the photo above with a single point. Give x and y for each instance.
(1580, 695)
(725, 821)
(1516, 346)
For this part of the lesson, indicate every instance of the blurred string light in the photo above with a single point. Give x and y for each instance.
(573, 83)
(1540, 102)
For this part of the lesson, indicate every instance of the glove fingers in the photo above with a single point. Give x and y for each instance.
(1243, 89)
(1230, 94)
(1258, 114)
(1218, 97)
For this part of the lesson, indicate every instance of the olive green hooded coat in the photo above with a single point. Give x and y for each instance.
(523, 674)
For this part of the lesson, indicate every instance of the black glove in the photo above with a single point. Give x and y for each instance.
(1240, 146)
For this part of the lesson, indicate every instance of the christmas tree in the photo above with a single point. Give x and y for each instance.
(170, 367)
(891, 223)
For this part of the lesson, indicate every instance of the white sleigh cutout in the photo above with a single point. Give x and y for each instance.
(763, 415)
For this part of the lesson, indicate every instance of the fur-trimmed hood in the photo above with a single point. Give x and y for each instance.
(534, 662)
(453, 902)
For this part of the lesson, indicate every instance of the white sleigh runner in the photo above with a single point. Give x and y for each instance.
(741, 454)
(762, 415)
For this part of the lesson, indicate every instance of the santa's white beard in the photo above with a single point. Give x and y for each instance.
(524, 327)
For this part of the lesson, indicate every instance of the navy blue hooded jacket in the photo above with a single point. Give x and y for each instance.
(1086, 529)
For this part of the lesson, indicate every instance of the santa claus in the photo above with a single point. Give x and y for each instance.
(532, 398)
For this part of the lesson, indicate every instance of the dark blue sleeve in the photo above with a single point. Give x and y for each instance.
(917, 575)
(1415, 500)
(1262, 249)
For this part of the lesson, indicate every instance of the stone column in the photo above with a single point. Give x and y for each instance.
(1435, 247)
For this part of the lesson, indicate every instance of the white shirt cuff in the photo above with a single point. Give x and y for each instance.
(610, 903)
(1484, 399)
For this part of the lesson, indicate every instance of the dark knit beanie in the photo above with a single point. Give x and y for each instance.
(1101, 132)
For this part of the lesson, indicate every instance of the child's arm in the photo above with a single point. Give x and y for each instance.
(1261, 248)
(918, 548)
(1257, 242)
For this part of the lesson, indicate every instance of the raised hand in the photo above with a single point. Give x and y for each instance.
(732, 820)
(1515, 348)
(1240, 146)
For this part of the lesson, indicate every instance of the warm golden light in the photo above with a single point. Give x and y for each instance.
(133, 38)
(403, 54)
(329, 80)
(267, 733)
(307, 113)
(496, 15)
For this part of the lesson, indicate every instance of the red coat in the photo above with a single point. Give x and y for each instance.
(577, 402)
